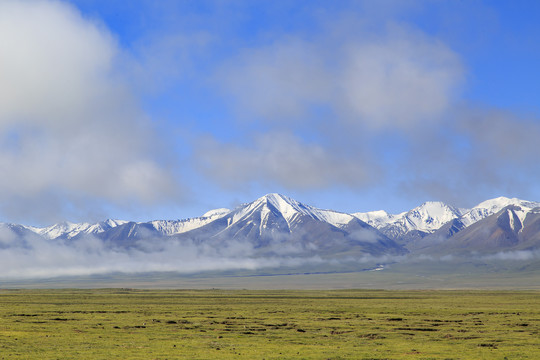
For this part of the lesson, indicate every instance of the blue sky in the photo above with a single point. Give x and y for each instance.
(166, 109)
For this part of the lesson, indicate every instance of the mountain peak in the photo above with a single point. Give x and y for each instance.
(437, 209)
(216, 212)
(277, 199)
(284, 204)
(113, 222)
(492, 206)
(377, 218)
(427, 218)
(290, 210)
(433, 204)
(501, 202)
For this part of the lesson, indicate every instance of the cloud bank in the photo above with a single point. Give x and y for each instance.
(35, 257)
(280, 157)
(351, 91)
(401, 78)
(71, 131)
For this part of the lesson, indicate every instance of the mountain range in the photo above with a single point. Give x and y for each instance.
(434, 226)
(279, 226)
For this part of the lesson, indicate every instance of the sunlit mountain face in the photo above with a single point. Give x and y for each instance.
(274, 232)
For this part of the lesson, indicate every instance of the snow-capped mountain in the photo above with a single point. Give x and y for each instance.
(271, 225)
(425, 219)
(70, 230)
(495, 218)
(172, 227)
(276, 223)
(512, 228)
(276, 234)
(378, 218)
(493, 206)
(416, 223)
(216, 212)
(291, 211)
(432, 217)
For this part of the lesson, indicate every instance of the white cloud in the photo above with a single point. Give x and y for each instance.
(486, 152)
(347, 89)
(70, 128)
(283, 159)
(53, 64)
(508, 136)
(279, 82)
(518, 255)
(400, 79)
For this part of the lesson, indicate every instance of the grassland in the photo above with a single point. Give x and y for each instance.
(217, 324)
(437, 275)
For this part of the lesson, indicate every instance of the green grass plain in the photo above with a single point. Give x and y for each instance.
(269, 324)
(400, 277)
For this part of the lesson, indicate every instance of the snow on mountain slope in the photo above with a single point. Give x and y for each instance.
(165, 227)
(216, 212)
(513, 228)
(493, 206)
(432, 215)
(290, 209)
(172, 227)
(427, 218)
(378, 218)
(276, 224)
(70, 229)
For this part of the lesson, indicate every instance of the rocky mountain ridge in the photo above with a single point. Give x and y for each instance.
(277, 224)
